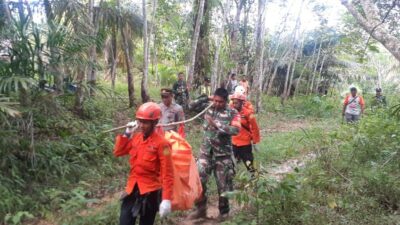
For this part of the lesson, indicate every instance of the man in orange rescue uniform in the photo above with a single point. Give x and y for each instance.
(249, 133)
(151, 168)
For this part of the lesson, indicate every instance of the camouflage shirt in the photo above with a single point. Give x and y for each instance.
(218, 141)
(173, 113)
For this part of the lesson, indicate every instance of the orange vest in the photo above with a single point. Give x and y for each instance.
(249, 132)
(150, 161)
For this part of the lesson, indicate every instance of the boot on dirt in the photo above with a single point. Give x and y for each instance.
(198, 213)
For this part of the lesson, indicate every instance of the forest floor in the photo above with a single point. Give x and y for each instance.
(277, 169)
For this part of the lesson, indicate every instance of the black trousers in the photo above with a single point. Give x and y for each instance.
(245, 154)
(145, 206)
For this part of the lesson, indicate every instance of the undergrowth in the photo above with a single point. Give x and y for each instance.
(353, 180)
(52, 160)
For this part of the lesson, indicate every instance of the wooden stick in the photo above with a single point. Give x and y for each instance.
(168, 124)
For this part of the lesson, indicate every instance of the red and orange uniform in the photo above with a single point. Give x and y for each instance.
(150, 161)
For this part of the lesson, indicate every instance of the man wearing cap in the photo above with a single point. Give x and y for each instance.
(353, 106)
(171, 112)
(379, 99)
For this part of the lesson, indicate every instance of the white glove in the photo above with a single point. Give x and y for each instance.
(131, 127)
(165, 208)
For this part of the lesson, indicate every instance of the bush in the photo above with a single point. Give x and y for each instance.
(305, 106)
(49, 157)
(354, 180)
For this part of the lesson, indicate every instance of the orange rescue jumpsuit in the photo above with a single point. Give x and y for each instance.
(150, 161)
(249, 134)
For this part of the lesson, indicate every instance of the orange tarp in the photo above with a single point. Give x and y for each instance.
(187, 186)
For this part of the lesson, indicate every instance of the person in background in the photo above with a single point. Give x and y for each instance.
(205, 88)
(181, 91)
(248, 136)
(353, 106)
(171, 112)
(245, 84)
(247, 104)
(220, 123)
(151, 174)
(232, 83)
(379, 99)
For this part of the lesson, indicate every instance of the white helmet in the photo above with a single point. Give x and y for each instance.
(240, 90)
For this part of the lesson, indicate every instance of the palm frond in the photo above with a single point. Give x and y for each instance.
(7, 107)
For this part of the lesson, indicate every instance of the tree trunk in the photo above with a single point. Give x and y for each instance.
(285, 87)
(92, 71)
(79, 95)
(276, 67)
(114, 49)
(153, 35)
(194, 43)
(289, 88)
(155, 62)
(320, 73)
(128, 62)
(300, 77)
(259, 56)
(315, 68)
(202, 65)
(6, 10)
(144, 85)
(312, 59)
(234, 35)
(372, 24)
(54, 61)
(219, 36)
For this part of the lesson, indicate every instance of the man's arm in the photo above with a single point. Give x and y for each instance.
(234, 127)
(255, 130)
(175, 88)
(121, 146)
(167, 176)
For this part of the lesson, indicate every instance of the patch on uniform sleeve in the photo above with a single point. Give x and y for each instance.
(236, 123)
(166, 150)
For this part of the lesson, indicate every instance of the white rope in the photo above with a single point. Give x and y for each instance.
(168, 124)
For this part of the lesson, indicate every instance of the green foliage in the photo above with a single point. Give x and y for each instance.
(52, 160)
(353, 180)
(304, 106)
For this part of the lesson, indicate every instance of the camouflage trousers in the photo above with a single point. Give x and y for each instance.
(182, 101)
(224, 172)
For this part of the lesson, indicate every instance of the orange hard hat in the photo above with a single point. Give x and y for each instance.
(239, 96)
(148, 111)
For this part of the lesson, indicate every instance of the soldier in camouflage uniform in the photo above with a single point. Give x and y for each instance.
(181, 91)
(221, 122)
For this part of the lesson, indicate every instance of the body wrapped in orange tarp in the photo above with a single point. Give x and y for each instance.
(187, 186)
